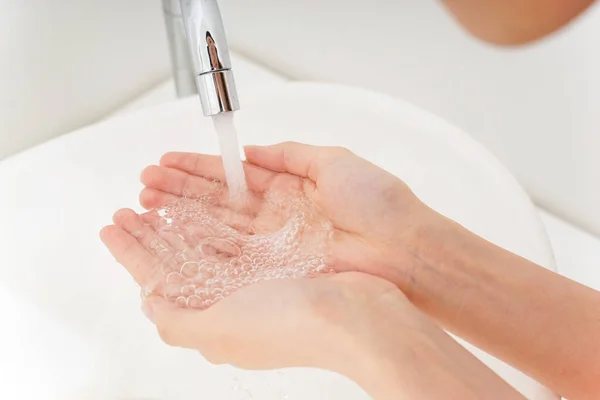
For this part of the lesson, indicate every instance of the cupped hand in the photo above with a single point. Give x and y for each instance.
(319, 322)
(324, 322)
(352, 323)
(374, 214)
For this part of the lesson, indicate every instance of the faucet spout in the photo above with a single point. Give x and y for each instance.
(208, 54)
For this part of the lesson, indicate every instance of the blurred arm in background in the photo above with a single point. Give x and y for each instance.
(513, 22)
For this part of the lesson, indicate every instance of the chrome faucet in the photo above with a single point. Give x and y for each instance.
(199, 54)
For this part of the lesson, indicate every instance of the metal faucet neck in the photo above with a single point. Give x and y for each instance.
(200, 53)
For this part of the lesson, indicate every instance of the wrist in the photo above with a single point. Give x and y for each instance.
(418, 245)
(424, 364)
(439, 251)
(377, 346)
(366, 311)
(488, 295)
(394, 361)
(382, 342)
(382, 361)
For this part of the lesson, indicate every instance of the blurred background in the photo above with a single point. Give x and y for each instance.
(65, 64)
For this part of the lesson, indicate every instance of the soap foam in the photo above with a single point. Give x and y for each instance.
(207, 250)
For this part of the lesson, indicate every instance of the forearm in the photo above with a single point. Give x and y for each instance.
(515, 21)
(538, 321)
(435, 367)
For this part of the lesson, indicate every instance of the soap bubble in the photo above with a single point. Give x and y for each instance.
(208, 251)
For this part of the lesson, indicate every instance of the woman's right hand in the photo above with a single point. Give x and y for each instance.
(375, 215)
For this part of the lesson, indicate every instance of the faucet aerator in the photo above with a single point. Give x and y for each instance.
(200, 55)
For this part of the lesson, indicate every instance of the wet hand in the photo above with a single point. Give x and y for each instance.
(374, 214)
(351, 323)
(319, 322)
(323, 323)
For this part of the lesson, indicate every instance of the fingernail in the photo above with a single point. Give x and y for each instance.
(148, 311)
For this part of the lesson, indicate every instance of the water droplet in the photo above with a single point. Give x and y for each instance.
(200, 231)
(218, 260)
(245, 259)
(218, 297)
(180, 257)
(173, 291)
(175, 278)
(188, 290)
(216, 249)
(195, 302)
(210, 282)
(181, 302)
(207, 268)
(190, 269)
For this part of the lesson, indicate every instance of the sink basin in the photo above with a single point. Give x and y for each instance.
(74, 326)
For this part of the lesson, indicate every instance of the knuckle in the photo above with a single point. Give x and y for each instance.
(340, 151)
(187, 188)
(289, 143)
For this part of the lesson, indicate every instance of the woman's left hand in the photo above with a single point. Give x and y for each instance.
(351, 323)
(322, 323)
(272, 324)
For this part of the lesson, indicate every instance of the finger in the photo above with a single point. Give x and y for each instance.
(202, 165)
(153, 198)
(236, 220)
(174, 238)
(294, 158)
(128, 252)
(211, 167)
(130, 222)
(176, 182)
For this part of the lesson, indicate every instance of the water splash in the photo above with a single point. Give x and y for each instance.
(207, 250)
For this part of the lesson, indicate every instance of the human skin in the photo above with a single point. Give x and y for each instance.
(540, 322)
(514, 22)
(351, 323)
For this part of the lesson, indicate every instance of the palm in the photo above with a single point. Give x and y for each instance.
(271, 329)
(191, 176)
(356, 197)
(259, 333)
(353, 194)
(247, 328)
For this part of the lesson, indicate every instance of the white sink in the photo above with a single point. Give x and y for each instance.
(74, 330)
